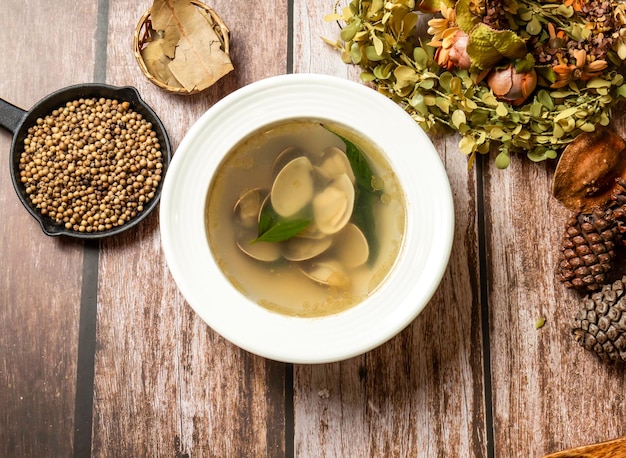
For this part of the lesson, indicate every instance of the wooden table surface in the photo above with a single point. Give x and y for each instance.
(100, 354)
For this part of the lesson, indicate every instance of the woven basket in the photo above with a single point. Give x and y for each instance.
(142, 37)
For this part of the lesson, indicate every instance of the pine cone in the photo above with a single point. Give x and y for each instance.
(588, 250)
(618, 205)
(600, 324)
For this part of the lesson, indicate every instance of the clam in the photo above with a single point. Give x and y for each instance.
(261, 251)
(293, 187)
(312, 232)
(351, 247)
(335, 162)
(303, 248)
(248, 206)
(284, 157)
(328, 273)
(332, 208)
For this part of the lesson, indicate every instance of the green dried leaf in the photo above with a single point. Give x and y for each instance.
(545, 73)
(489, 99)
(535, 109)
(526, 64)
(587, 127)
(595, 83)
(501, 109)
(349, 31)
(375, 7)
(458, 118)
(405, 76)
(355, 53)
(534, 26)
(467, 144)
(455, 86)
(465, 18)
(486, 46)
(524, 14)
(565, 11)
(383, 72)
(445, 80)
(427, 84)
(544, 98)
(443, 104)
(557, 132)
(560, 94)
(568, 112)
(367, 77)
(421, 58)
(372, 55)
(502, 160)
(540, 322)
(378, 44)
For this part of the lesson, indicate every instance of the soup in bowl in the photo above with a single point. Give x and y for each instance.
(306, 218)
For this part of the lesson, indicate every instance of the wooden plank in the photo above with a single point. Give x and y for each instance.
(40, 277)
(420, 394)
(549, 394)
(165, 382)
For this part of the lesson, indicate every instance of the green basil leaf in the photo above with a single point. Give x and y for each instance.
(363, 218)
(283, 229)
(267, 219)
(358, 162)
(366, 195)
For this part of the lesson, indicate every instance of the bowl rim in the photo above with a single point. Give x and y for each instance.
(321, 339)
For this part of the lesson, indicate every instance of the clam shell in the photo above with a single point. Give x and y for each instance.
(351, 247)
(332, 208)
(248, 206)
(334, 162)
(285, 157)
(293, 187)
(304, 248)
(261, 251)
(328, 273)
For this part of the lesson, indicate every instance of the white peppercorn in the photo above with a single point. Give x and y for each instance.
(92, 164)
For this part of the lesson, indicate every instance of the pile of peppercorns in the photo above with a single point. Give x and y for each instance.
(92, 164)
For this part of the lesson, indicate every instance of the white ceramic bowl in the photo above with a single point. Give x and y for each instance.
(393, 305)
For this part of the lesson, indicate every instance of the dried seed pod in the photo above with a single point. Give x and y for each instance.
(512, 86)
(585, 177)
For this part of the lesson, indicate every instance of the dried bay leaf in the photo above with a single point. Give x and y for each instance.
(157, 62)
(187, 52)
(166, 17)
(199, 59)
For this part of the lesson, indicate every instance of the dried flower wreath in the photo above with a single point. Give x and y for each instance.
(525, 76)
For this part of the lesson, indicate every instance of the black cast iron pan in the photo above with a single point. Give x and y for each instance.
(18, 122)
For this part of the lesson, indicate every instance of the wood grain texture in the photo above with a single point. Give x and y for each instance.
(549, 394)
(420, 394)
(40, 277)
(166, 384)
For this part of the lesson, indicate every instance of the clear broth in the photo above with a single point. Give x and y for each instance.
(281, 286)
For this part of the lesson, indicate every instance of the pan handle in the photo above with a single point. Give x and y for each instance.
(11, 117)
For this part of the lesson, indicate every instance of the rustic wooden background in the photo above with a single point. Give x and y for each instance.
(100, 355)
